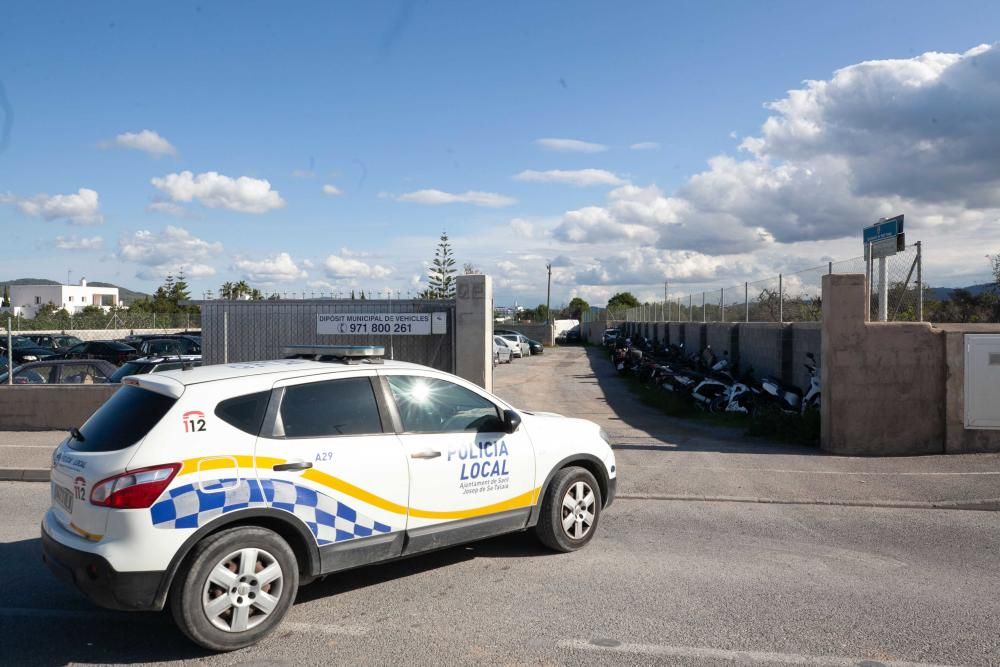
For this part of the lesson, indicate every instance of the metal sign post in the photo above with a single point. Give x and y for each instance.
(883, 239)
(920, 283)
(883, 292)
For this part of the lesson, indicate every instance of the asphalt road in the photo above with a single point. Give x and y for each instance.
(665, 457)
(663, 582)
(684, 582)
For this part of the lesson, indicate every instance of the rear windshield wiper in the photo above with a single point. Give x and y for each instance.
(76, 435)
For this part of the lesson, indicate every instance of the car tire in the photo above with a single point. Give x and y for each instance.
(199, 583)
(562, 524)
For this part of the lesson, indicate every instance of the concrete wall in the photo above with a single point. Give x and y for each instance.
(474, 329)
(724, 339)
(761, 348)
(543, 333)
(806, 337)
(50, 407)
(958, 439)
(893, 388)
(770, 349)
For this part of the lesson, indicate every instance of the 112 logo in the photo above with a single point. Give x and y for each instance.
(194, 421)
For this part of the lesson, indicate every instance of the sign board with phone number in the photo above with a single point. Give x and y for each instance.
(396, 324)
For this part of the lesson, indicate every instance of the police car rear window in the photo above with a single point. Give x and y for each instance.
(122, 421)
(244, 412)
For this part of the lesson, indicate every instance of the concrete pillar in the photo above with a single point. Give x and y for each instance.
(474, 329)
(843, 329)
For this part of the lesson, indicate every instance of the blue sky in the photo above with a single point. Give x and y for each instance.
(386, 99)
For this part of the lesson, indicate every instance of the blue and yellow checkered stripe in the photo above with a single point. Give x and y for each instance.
(193, 505)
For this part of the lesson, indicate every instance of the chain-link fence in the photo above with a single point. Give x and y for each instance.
(63, 321)
(895, 295)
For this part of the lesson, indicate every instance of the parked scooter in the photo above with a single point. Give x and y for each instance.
(739, 397)
(715, 383)
(811, 400)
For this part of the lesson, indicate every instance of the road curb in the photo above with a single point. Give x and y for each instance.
(983, 504)
(24, 474)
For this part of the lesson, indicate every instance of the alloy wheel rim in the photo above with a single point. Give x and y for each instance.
(242, 590)
(578, 513)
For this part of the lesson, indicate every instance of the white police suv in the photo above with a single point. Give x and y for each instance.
(219, 490)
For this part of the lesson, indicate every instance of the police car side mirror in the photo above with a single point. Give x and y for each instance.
(511, 420)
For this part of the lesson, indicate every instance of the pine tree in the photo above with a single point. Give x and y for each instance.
(6, 297)
(179, 291)
(440, 277)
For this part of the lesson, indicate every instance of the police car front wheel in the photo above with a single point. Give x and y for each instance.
(237, 587)
(570, 511)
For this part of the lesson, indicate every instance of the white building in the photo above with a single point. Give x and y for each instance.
(25, 300)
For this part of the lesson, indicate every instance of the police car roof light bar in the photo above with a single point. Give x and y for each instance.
(351, 354)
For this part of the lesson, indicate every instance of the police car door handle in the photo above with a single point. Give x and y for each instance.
(425, 454)
(294, 465)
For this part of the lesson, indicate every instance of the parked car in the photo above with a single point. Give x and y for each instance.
(513, 346)
(535, 346)
(169, 346)
(610, 336)
(573, 337)
(25, 350)
(523, 348)
(57, 342)
(135, 340)
(153, 505)
(108, 350)
(62, 371)
(154, 365)
(502, 352)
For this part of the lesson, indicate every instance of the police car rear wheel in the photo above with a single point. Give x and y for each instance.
(237, 587)
(571, 510)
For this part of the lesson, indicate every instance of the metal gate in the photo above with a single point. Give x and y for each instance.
(235, 331)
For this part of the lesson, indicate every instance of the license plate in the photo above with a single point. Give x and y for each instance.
(63, 498)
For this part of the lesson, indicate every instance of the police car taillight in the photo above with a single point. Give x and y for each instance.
(137, 489)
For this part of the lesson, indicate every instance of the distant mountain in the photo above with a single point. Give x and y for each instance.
(944, 293)
(126, 295)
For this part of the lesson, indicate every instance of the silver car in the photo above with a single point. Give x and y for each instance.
(502, 352)
(523, 345)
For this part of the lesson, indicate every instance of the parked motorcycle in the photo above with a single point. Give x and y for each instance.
(811, 401)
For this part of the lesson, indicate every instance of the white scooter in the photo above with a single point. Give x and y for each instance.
(811, 400)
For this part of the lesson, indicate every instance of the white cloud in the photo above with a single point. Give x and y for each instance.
(523, 227)
(80, 208)
(303, 173)
(436, 197)
(79, 243)
(577, 177)
(570, 146)
(168, 208)
(332, 190)
(346, 266)
(919, 136)
(172, 251)
(147, 141)
(644, 266)
(214, 190)
(645, 146)
(278, 268)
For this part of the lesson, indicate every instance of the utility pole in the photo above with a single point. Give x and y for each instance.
(548, 296)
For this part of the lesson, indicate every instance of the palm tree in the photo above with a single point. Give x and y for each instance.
(226, 291)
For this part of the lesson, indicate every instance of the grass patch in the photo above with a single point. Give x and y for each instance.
(769, 423)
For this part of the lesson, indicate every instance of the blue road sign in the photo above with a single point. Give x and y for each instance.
(883, 230)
